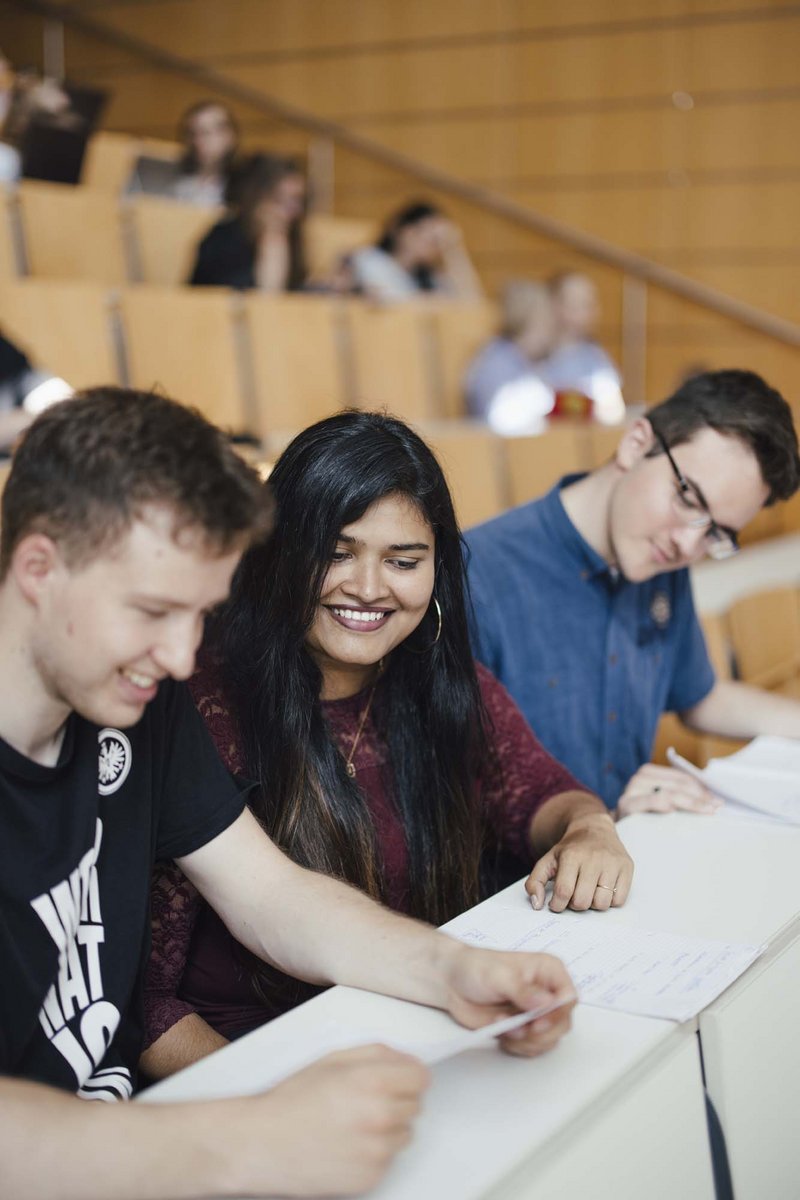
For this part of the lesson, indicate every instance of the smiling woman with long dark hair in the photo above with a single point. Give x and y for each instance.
(340, 679)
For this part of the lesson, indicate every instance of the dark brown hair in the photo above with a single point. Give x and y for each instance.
(741, 405)
(189, 163)
(252, 180)
(87, 467)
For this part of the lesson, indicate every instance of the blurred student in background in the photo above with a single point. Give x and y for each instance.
(25, 391)
(420, 251)
(260, 243)
(210, 137)
(503, 385)
(582, 375)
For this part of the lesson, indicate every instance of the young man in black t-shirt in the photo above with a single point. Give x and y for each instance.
(123, 520)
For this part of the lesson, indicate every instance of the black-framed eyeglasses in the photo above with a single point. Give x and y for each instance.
(693, 512)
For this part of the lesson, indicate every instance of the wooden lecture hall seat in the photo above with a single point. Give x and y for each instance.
(72, 233)
(64, 327)
(392, 359)
(184, 341)
(165, 234)
(299, 371)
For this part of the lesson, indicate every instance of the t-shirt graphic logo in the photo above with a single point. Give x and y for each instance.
(115, 760)
(77, 1019)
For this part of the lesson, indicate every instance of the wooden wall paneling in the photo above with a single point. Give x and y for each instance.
(166, 234)
(534, 464)
(392, 356)
(298, 358)
(72, 233)
(601, 442)
(617, 65)
(22, 36)
(108, 164)
(765, 635)
(299, 26)
(765, 524)
(64, 327)
(471, 456)
(184, 342)
(769, 284)
(790, 511)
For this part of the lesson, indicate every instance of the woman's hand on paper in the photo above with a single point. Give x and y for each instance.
(588, 868)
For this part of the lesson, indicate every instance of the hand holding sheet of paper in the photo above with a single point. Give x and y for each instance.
(486, 986)
(508, 1029)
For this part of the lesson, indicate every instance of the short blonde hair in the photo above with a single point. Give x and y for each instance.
(523, 300)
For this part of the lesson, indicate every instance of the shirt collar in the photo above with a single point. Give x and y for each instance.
(588, 563)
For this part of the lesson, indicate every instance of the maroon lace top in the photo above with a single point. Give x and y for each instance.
(196, 966)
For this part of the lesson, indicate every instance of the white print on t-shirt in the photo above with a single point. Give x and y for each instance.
(75, 1017)
(115, 760)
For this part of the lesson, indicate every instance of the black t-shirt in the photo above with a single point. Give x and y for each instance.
(77, 844)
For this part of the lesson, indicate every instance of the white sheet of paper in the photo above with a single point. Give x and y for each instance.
(642, 971)
(764, 776)
(334, 1035)
(469, 1039)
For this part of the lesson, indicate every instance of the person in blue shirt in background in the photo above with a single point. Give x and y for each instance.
(582, 599)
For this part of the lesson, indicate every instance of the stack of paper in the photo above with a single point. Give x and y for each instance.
(640, 971)
(764, 776)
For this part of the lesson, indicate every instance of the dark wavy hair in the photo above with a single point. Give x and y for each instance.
(428, 707)
(253, 179)
(411, 214)
(189, 163)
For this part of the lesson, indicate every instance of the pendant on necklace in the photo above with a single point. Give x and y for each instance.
(351, 771)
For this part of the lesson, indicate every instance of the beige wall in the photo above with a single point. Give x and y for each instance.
(668, 127)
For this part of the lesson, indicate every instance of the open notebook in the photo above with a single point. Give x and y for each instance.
(764, 776)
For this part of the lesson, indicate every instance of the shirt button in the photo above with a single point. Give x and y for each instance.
(612, 660)
(609, 768)
(584, 574)
(552, 681)
(612, 716)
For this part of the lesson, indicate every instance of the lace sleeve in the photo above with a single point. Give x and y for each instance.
(521, 775)
(174, 907)
(208, 692)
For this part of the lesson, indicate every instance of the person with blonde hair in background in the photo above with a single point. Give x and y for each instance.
(578, 369)
(503, 384)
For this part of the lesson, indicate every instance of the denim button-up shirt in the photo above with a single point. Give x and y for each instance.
(591, 659)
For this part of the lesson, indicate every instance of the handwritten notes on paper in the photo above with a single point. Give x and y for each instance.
(650, 973)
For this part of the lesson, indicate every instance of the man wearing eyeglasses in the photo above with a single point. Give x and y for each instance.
(583, 606)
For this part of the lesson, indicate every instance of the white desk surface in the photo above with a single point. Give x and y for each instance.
(768, 564)
(713, 876)
(710, 876)
(517, 1105)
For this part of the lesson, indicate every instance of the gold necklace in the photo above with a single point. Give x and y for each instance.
(349, 765)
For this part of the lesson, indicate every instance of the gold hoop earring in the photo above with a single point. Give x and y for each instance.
(438, 608)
